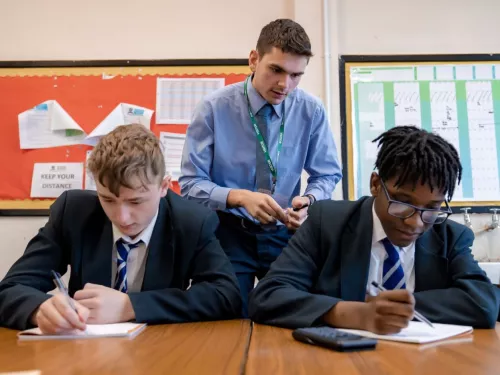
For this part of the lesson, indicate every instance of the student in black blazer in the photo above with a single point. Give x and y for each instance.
(173, 268)
(399, 237)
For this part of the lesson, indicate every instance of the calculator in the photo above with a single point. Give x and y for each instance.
(332, 338)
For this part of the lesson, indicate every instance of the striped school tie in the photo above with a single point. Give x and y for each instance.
(122, 251)
(393, 275)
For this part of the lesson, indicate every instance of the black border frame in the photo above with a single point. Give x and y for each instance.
(343, 59)
(104, 64)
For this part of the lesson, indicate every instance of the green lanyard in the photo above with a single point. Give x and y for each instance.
(262, 143)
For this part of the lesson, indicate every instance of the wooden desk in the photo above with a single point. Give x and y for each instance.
(191, 348)
(274, 351)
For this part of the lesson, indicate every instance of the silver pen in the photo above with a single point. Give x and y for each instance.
(418, 316)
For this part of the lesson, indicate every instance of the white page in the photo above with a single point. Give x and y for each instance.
(417, 333)
(92, 331)
(122, 114)
(407, 109)
(483, 141)
(173, 144)
(89, 179)
(52, 179)
(176, 98)
(48, 125)
(133, 114)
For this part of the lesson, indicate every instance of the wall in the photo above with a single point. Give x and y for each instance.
(170, 29)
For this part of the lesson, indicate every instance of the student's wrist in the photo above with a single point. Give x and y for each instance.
(312, 198)
(235, 198)
(128, 310)
(346, 314)
(34, 317)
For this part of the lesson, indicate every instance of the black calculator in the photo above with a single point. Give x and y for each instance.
(334, 339)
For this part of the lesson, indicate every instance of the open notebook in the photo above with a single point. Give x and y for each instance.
(418, 333)
(93, 331)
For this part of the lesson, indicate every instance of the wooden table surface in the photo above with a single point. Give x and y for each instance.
(191, 348)
(274, 351)
(220, 348)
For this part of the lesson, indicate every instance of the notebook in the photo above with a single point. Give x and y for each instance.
(129, 330)
(418, 333)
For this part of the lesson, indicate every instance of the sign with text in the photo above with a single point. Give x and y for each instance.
(52, 179)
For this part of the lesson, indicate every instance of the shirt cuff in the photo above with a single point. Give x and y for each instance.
(316, 193)
(218, 198)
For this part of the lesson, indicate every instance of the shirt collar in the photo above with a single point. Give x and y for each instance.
(145, 235)
(378, 233)
(257, 101)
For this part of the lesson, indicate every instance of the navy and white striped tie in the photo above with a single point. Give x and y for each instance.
(122, 251)
(393, 276)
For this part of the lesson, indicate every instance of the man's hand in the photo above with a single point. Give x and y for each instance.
(261, 206)
(106, 305)
(56, 315)
(387, 313)
(297, 214)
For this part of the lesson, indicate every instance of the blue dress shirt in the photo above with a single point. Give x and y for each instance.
(220, 149)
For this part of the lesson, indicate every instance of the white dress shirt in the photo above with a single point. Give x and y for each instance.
(136, 260)
(379, 254)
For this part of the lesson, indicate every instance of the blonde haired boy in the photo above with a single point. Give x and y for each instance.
(136, 251)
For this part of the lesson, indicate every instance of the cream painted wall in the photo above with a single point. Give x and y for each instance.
(170, 29)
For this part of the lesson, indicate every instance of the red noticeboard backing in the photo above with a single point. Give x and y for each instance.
(88, 95)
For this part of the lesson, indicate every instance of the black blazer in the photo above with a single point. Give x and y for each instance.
(183, 247)
(328, 259)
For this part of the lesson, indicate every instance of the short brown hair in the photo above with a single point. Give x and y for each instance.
(129, 151)
(286, 35)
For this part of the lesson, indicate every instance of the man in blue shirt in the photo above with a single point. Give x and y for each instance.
(247, 146)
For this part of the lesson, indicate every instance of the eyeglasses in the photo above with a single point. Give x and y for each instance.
(405, 210)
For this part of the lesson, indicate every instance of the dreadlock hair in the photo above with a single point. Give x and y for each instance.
(416, 155)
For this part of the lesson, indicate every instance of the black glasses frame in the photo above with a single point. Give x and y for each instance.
(448, 211)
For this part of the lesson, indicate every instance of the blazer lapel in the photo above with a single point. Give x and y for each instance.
(97, 257)
(160, 261)
(431, 266)
(356, 249)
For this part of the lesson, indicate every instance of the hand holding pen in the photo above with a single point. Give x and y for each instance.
(60, 313)
(416, 314)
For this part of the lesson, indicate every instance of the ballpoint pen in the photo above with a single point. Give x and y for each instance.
(418, 316)
(301, 207)
(62, 289)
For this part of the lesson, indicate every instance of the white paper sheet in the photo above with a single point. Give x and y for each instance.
(173, 145)
(92, 331)
(418, 333)
(123, 114)
(48, 125)
(89, 179)
(52, 179)
(176, 98)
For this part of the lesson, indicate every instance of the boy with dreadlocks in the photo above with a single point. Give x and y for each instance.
(400, 238)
